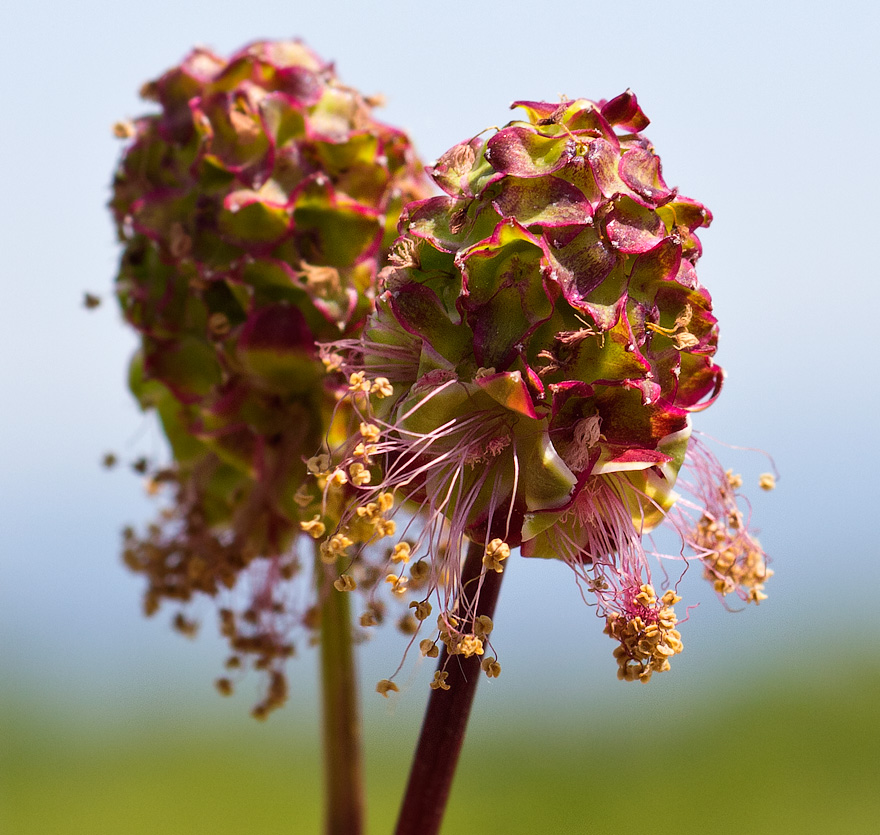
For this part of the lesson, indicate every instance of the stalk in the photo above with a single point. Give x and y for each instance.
(446, 718)
(343, 762)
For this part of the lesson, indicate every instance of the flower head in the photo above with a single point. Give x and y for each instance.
(255, 209)
(541, 342)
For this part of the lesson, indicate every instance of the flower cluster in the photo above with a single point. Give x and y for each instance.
(255, 209)
(529, 373)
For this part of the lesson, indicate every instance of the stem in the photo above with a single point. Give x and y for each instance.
(443, 729)
(343, 765)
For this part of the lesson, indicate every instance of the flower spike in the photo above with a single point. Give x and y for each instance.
(541, 341)
(255, 209)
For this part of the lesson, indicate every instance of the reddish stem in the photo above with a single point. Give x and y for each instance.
(443, 729)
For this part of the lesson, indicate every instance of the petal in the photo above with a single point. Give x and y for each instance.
(547, 201)
(624, 111)
(640, 170)
(523, 152)
(510, 390)
(632, 228)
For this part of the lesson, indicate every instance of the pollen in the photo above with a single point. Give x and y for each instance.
(302, 496)
(333, 548)
(646, 632)
(368, 511)
(345, 582)
(398, 584)
(483, 626)
(439, 682)
(466, 645)
(767, 481)
(422, 609)
(358, 382)
(401, 552)
(337, 478)
(381, 388)
(386, 686)
(359, 474)
(370, 432)
(385, 527)
(315, 528)
(429, 648)
(123, 130)
(496, 551)
(491, 667)
(319, 464)
(733, 561)
(364, 451)
(408, 625)
(420, 571)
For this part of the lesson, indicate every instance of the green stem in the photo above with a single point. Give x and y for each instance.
(343, 765)
(443, 729)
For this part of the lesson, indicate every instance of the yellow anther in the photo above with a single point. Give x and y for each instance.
(381, 388)
(370, 432)
(422, 609)
(483, 626)
(368, 510)
(337, 477)
(401, 552)
(385, 527)
(439, 682)
(468, 645)
(334, 547)
(345, 582)
(496, 551)
(315, 528)
(340, 542)
(385, 501)
(362, 450)
(684, 340)
(429, 648)
(359, 474)
(123, 130)
(734, 479)
(384, 687)
(491, 667)
(302, 496)
(332, 362)
(398, 584)
(368, 619)
(767, 481)
(358, 382)
(408, 624)
(420, 571)
(670, 598)
(646, 596)
(445, 622)
(318, 464)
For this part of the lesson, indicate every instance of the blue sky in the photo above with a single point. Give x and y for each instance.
(765, 112)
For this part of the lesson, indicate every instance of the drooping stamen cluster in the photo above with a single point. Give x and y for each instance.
(646, 632)
(733, 560)
(545, 338)
(255, 209)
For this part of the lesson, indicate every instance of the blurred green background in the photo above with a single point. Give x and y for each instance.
(768, 722)
(783, 752)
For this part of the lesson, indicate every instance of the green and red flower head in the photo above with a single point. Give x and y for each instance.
(255, 209)
(543, 339)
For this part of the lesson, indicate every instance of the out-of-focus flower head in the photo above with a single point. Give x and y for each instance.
(530, 370)
(255, 209)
